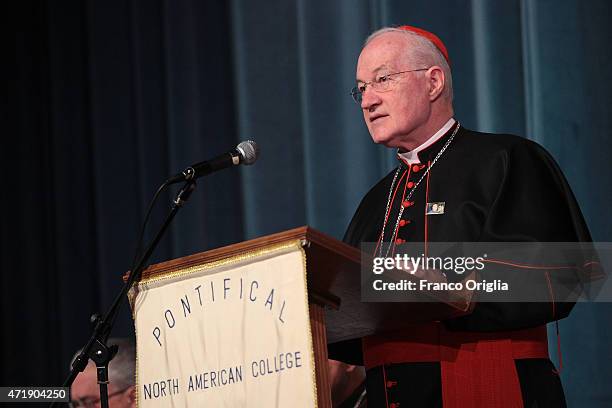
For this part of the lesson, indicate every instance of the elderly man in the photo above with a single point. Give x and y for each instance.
(454, 185)
(85, 391)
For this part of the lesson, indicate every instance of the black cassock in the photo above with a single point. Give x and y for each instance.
(495, 188)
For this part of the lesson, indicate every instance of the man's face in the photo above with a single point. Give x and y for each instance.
(86, 389)
(394, 117)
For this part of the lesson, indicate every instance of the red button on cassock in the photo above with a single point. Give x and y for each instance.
(400, 241)
(404, 222)
(407, 203)
(416, 168)
(410, 184)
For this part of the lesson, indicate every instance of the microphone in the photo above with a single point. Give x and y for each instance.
(246, 153)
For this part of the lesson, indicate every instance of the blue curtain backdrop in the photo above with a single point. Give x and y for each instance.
(105, 99)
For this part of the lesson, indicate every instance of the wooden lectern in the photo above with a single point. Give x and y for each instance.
(334, 294)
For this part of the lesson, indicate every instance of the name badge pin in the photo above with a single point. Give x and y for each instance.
(436, 208)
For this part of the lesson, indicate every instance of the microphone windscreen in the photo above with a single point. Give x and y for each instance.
(249, 151)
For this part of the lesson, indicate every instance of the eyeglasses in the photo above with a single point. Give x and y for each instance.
(88, 402)
(383, 83)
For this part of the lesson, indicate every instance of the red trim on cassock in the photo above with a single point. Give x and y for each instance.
(382, 233)
(527, 266)
(477, 369)
(394, 237)
(425, 218)
(385, 385)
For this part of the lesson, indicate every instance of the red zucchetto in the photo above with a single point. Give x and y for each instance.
(431, 37)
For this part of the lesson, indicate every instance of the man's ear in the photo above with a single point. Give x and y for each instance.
(130, 394)
(435, 81)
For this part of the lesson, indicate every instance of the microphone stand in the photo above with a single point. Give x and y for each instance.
(96, 348)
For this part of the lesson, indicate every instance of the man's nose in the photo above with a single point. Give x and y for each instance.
(369, 99)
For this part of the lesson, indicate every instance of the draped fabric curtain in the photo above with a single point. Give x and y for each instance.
(105, 99)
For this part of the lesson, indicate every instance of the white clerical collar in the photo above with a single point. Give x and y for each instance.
(412, 156)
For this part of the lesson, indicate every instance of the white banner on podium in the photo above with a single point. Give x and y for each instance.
(233, 333)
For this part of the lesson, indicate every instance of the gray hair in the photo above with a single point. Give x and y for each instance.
(422, 53)
(122, 368)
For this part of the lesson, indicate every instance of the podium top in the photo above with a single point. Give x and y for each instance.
(326, 245)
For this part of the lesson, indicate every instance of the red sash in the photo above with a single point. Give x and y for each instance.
(477, 369)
